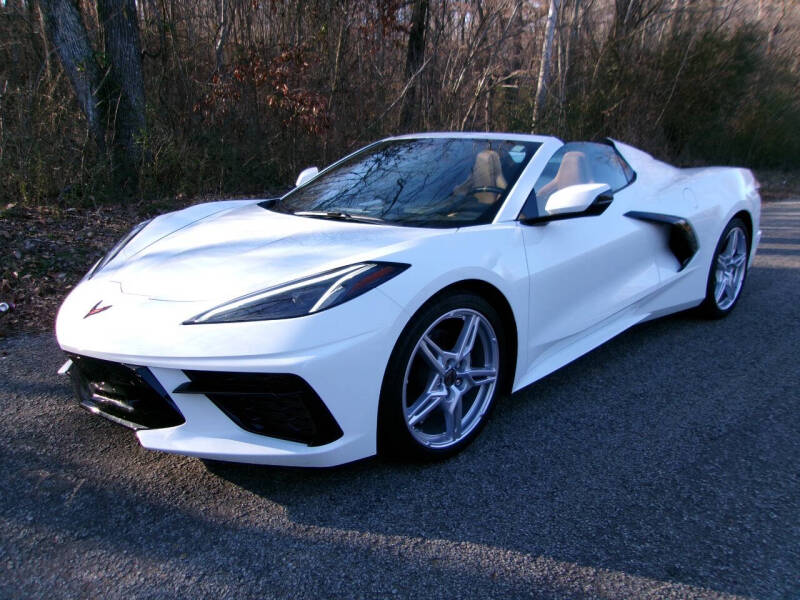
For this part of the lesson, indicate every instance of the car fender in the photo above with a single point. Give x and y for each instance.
(492, 254)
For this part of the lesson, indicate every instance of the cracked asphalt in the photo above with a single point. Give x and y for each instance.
(662, 465)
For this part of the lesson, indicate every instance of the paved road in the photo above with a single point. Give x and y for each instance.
(662, 465)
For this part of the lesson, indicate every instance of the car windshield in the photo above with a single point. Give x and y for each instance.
(426, 182)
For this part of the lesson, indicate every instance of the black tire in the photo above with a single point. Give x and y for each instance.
(714, 306)
(395, 438)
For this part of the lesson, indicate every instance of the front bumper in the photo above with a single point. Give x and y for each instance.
(341, 355)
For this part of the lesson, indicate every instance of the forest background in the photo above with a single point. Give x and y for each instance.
(111, 110)
(115, 99)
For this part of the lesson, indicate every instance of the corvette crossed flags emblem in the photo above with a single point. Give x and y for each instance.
(97, 309)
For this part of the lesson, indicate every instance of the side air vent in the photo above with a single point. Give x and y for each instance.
(682, 238)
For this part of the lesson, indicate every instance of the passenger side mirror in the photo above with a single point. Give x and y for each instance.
(306, 175)
(576, 199)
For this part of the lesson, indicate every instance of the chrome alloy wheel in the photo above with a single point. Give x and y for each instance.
(731, 265)
(446, 392)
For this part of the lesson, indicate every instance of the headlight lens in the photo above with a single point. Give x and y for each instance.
(303, 296)
(116, 249)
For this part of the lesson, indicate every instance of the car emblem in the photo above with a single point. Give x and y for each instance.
(97, 309)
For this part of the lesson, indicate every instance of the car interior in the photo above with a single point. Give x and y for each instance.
(577, 163)
(487, 172)
(574, 170)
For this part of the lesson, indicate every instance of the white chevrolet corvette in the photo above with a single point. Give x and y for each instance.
(387, 301)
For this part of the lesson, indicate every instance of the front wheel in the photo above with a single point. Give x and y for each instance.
(728, 270)
(442, 379)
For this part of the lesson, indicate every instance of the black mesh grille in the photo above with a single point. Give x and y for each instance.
(126, 394)
(277, 405)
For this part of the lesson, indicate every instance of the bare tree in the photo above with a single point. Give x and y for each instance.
(224, 31)
(414, 60)
(111, 93)
(125, 87)
(544, 66)
(71, 42)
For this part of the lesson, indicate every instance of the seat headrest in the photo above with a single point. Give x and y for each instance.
(574, 169)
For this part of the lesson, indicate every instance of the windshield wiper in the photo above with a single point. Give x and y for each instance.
(340, 215)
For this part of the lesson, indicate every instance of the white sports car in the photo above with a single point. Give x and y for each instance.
(384, 303)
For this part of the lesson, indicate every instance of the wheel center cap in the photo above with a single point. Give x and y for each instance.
(450, 377)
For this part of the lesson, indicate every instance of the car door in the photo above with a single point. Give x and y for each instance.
(586, 272)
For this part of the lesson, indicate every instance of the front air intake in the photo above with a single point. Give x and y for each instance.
(126, 394)
(272, 404)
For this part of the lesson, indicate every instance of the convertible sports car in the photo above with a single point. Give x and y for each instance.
(384, 303)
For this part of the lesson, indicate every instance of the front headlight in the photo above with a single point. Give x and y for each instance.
(116, 249)
(303, 296)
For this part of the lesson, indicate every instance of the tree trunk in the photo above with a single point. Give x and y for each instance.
(125, 90)
(224, 29)
(71, 42)
(572, 40)
(414, 60)
(544, 67)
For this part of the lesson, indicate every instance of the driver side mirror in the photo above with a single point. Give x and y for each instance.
(306, 175)
(576, 199)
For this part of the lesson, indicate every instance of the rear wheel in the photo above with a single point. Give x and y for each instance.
(443, 377)
(728, 270)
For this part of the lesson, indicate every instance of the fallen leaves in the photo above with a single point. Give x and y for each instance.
(45, 251)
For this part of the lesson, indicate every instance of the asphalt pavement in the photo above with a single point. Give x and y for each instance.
(664, 464)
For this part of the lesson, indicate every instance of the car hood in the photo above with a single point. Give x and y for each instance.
(245, 249)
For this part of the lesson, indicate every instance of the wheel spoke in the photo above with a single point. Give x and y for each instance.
(738, 260)
(733, 239)
(429, 400)
(737, 239)
(433, 354)
(452, 416)
(730, 289)
(719, 286)
(730, 246)
(466, 339)
(479, 376)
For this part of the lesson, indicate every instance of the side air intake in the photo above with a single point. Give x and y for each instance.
(682, 238)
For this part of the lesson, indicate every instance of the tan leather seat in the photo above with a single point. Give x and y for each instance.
(574, 169)
(486, 172)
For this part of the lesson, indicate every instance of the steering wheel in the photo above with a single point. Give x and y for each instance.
(461, 200)
(486, 188)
